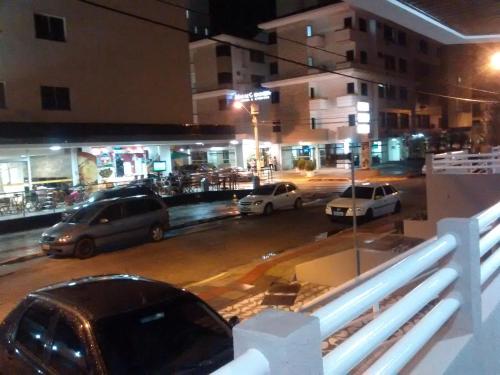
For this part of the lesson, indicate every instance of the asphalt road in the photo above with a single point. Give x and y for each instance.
(196, 253)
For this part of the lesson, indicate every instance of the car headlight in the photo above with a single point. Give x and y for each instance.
(258, 203)
(64, 239)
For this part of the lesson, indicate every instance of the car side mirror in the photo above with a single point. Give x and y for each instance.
(233, 320)
(103, 220)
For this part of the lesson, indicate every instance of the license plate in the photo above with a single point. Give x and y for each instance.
(45, 246)
(338, 213)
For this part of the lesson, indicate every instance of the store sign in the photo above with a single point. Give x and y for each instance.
(363, 118)
(253, 96)
(363, 128)
(363, 107)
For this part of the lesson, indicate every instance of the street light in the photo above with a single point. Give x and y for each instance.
(253, 112)
(495, 61)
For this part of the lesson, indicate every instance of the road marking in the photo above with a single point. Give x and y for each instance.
(205, 281)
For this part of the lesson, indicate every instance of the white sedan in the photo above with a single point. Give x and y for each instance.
(267, 198)
(372, 200)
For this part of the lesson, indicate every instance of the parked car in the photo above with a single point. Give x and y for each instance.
(372, 200)
(266, 198)
(107, 223)
(114, 324)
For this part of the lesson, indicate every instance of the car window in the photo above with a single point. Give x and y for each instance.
(154, 205)
(291, 187)
(67, 353)
(112, 213)
(84, 214)
(363, 192)
(388, 189)
(379, 192)
(280, 190)
(33, 330)
(263, 190)
(136, 207)
(178, 336)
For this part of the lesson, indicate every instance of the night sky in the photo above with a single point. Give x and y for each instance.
(240, 17)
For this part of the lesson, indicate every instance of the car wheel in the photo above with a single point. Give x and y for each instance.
(268, 209)
(84, 248)
(369, 215)
(298, 203)
(397, 207)
(156, 233)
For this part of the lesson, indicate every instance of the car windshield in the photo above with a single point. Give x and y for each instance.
(181, 336)
(83, 215)
(263, 190)
(363, 192)
(97, 196)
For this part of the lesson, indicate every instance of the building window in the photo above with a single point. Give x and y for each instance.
(224, 104)
(2, 95)
(275, 97)
(206, 31)
(310, 61)
(364, 89)
(272, 38)
(362, 24)
(273, 68)
(388, 33)
(257, 79)
(187, 14)
(195, 29)
(401, 38)
(309, 31)
(423, 99)
(402, 66)
(381, 91)
(350, 88)
(352, 120)
(381, 119)
(55, 98)
(312, 94)
(404, 121)
(391, 120)
(224, 77)
(50, 28)
(390, 92)
(390, 62)
(222, 50)
(313, 123)
(257, 56)
(423, 46)
(348, 23)
(276, 126)
(349, 55)
(363, 57)
(403, 93)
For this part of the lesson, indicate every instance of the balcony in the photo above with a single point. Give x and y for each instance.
(319, 104)
(347, 100)
(347, 35)
(316, 41)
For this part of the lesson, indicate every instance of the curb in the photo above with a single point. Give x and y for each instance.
(22, 258)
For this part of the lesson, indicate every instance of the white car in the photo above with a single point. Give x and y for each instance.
(267, 198)
(372, 200)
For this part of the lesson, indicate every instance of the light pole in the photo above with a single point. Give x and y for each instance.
(253, 112)
(354, 213)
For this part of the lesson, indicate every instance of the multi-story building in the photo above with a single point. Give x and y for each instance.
(377, 67)
(88, 94)
(222, 74)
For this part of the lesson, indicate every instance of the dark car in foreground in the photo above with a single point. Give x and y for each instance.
(114, 324)
(107, 223)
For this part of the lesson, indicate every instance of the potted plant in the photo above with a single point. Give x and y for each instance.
(310, 167)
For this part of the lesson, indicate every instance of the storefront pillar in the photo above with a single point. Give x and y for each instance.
(240, 161)
(75, 173)
(28, 167)
(165, 155)
(317, 156)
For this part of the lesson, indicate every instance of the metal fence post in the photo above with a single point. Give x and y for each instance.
(466, 261)
(291, 342)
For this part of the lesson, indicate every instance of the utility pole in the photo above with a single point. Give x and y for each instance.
(354, 214)
(254, 112)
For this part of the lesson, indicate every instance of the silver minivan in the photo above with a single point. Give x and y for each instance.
(107, 223)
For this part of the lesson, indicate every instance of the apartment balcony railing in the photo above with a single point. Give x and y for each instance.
(460, 163)
(452, 274)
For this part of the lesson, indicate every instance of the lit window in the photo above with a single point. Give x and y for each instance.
(309, 31)
(310, 61)
(196, 29)
(187, 14)
(206, 31)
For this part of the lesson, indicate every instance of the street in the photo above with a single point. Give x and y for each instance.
(193, 254)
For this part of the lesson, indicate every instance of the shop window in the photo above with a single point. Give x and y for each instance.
(2, 95)
(313, 123)
(50, 28)
(364, 89)
(275, 97)
(223, 50)
(362, 24)
(273, 68)
(352, 120)
(257, 56)
(272, 38)
(55, 98)
(225, 156)
(224, 78)
(402, 66)
(381, 91)
(404, 121)
(403, 93)
(363, 57)
(401, 38)
(348, 23)
(349, 55)
(350, 88)
(309, 31)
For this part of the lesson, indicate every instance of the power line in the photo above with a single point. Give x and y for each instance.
(291, 61)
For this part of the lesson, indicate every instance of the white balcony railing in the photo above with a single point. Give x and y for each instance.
(453, 163)
(440, 274)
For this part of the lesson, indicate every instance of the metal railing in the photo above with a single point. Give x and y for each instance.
(434, 273)
(488, 163)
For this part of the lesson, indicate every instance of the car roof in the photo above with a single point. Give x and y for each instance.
(372, 184)
(97, 297)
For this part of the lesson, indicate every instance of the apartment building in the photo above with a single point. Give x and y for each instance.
(378, 68)
(222, 74)
(88, 94)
